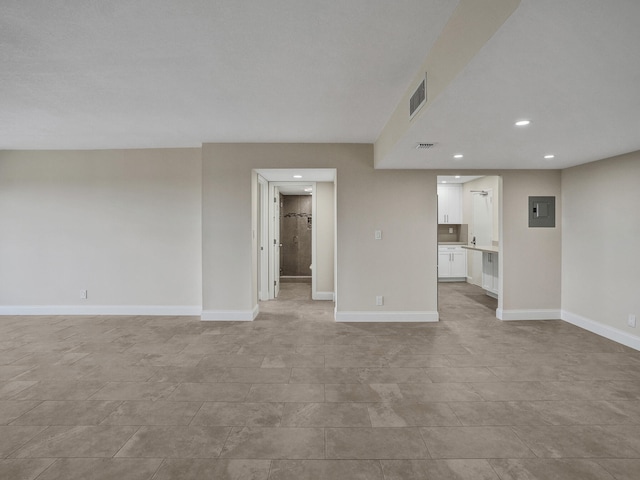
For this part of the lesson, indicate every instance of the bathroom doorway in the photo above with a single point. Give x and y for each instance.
(296, 236)
(296, 226)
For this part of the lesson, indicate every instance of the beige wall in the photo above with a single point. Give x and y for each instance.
(324, 228)
(530, 261)
(600, 260)
(123, 224)
(401, 203)
(130, 227)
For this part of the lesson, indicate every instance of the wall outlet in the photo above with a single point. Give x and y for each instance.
(83, 294)
(631, 321)
(377, 234)
(450, 229)
(379, 300)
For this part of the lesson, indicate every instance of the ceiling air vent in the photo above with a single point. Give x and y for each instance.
(419, 97)
(425, 146)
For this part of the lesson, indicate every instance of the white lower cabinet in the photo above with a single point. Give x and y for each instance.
(490, 273)
(452, 263)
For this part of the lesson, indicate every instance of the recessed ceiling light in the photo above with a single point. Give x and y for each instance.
(457, 176)
(297, 176)
(443, 181)
(548, 157)
(522, 123)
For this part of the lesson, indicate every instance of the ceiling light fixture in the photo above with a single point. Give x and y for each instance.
(522, 123)
(548, 157)
(443, 181)
(308, 189)
(297, 176)
(458, 155)
(457, 176)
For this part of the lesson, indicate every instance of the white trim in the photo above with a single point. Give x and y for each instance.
(612, 333)
(263, 238)
(230, 315)
(314, 238)
(129, 310)
(322, 296)
(385, 316)
(508, 315)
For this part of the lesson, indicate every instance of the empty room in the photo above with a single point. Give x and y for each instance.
(277, 240)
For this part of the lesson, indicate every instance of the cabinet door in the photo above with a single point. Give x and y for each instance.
(444, 264)
(450, 204)
(443, 203)
(459, 264)
(487, 272)
(490, 272)
(496, 272)
(455, 204)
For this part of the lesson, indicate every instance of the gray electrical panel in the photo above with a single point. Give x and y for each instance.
(542, 211)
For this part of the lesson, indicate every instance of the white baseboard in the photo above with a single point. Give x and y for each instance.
(387, 316)
(603, 330)
(509, 315)
(323, 296)
(128, 310)
(230, 315)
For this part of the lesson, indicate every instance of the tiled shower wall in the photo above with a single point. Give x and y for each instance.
(295, 235)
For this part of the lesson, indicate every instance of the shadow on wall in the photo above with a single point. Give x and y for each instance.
(295, 235)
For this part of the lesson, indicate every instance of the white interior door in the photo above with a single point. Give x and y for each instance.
(276, 241)
(481, 229)
(263, 239)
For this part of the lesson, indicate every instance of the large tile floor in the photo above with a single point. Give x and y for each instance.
(294, 395)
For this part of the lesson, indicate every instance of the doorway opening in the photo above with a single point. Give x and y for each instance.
(296, 225)
(296, 233)
(468, 245)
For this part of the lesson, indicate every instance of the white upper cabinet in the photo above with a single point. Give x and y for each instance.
(450, 203)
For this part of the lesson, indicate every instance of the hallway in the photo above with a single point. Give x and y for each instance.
(295, 395)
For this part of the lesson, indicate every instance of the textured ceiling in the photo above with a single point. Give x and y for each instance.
(160, 73)
(168, 73)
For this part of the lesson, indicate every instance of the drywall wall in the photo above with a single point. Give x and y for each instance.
(400, 203)
(474, 259)
(601, 232)
(122, 224)
(530, 258)
(324, 225)
(471, 25)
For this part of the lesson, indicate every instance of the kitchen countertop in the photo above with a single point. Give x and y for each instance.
(452, 243)
(482, 248)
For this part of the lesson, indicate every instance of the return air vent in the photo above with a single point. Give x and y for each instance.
(425, 146)
(419, 98)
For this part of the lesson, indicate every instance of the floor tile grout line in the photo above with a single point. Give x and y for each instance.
(115, 455)
(56, 459)
(226, 439)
